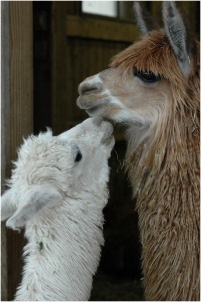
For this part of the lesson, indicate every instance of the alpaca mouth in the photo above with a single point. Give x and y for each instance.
(93, 110)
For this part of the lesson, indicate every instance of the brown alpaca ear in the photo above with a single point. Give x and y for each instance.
(177, 36)
(140, 19)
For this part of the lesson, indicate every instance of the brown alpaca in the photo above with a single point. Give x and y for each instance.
(153, 88)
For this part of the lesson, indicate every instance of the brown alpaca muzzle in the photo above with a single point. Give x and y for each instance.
(91, 93)
(92, 99)
(85, 88)
(90, 86)
(87, 101)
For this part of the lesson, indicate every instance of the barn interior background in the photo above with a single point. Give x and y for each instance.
(48, 49)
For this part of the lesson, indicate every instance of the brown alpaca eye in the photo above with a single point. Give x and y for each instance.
(147, 76)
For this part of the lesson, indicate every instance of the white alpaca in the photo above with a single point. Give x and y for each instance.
(58, 191)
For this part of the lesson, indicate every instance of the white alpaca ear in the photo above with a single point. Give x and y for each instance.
(177, 36)
(37, 198)
(7, 207)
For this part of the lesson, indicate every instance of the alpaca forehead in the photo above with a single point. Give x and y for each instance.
(40, 149)
(142, 51)
(152, 53)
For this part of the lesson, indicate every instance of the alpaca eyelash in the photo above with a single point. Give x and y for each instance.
(147, 76)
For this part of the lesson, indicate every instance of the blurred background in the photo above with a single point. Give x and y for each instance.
(48, 48)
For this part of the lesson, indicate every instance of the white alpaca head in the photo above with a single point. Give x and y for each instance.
(49, 167)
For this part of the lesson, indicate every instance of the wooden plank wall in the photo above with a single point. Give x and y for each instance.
(42, 65)
(77, 52)
(21, 113)
(5, 130)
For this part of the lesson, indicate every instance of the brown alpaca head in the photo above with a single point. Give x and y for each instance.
(149, 82)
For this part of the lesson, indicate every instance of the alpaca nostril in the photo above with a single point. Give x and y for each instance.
(87, 89)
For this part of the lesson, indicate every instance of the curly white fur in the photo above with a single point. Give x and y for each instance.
(59, 199)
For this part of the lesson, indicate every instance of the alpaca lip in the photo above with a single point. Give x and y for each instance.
(86, 104)
(92, 110)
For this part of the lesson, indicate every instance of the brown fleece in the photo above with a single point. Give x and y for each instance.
(164, 172)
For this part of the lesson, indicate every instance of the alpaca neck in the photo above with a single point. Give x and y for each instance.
(169, 148)
(63, 252)
(167, 170)
(166, 188)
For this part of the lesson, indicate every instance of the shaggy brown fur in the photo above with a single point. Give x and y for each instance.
(162, 156)
(165, 175)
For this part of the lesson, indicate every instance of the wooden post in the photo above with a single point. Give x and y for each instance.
(5, 130)
(17, 116)
(21, 71)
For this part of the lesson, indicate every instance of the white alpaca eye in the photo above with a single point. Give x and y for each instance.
(78, 156)
(147, 76)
